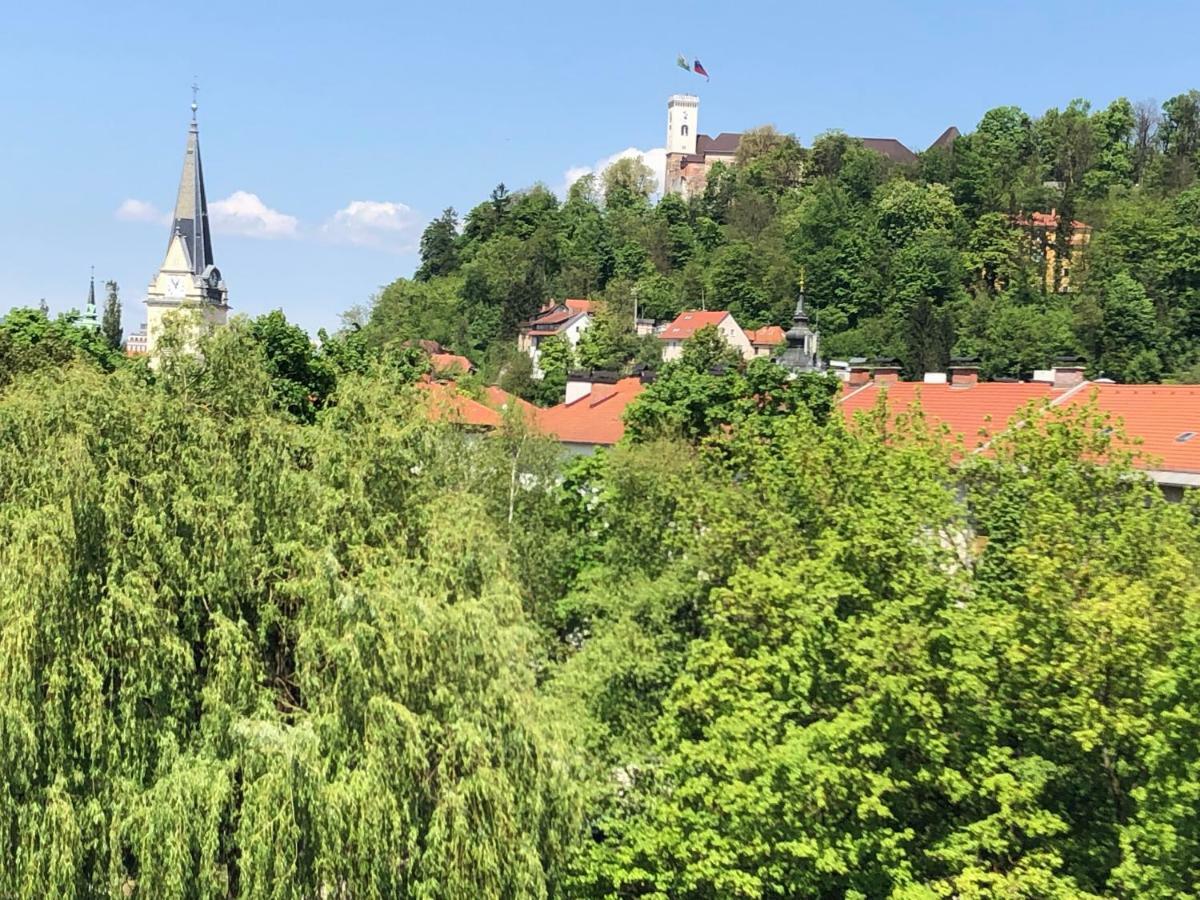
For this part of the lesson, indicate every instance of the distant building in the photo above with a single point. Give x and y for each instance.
(690, 154)
(1043, 232)
(766, 340)
(568, 318)
(188, 278)
(690, 321)
(138, 343)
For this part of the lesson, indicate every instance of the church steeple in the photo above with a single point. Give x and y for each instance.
(801, 354)
(188, 277)
(191, 205)
(89, 319)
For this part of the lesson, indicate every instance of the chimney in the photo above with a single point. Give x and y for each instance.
(579, 385)
(886, 374)
(1067, 372)
(964, 371)
(859, 375)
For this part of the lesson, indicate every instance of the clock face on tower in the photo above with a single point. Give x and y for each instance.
(174, 287)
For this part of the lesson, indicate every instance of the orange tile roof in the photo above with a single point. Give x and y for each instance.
(767, 336)
(1154, 416)
(1158, 414)
(579, 305)
(446, 404)
(966, 411)
(500, 400)
(690, 321)
(448, 363)
(1049, 220)
(595, 418)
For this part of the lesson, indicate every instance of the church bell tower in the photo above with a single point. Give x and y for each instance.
(188, 277)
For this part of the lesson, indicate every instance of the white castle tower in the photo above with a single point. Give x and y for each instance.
(188, 278)
(683, 123)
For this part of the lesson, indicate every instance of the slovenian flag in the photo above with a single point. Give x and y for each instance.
(699, 69)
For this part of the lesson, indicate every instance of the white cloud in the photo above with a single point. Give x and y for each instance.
(374, 223)
(655, 158)
(245, 214)
(134, 210)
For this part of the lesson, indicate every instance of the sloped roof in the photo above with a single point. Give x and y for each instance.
(891, 148)
(725, 143)
(501, 400)
(767, 336)
(1155, 417)
(447, 363)
(555, 316)
(690, 321)
(1047, 220)
(1156, 414)
(594, 418)
(191, 206)
(965, 411)
(446, 404)
(946, 139)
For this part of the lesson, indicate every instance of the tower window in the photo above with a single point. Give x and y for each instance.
(683, 130)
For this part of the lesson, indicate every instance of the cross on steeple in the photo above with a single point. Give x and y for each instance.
(195, 91)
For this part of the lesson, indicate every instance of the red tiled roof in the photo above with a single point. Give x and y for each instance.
(1154, 416)
(690, 321)
(500, 400)
(446, 404)
(1158, 415)
(1048, 220)
(447, 363)
(552, 317)
(966, 411)
(594, 419)
(767, 336)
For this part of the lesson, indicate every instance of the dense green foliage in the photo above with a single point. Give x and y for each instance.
(918, 263)
(344, 650)
(245, 657)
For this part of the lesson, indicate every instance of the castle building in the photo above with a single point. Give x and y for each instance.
(188, 278)
(690, 154)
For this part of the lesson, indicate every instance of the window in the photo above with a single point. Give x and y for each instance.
(1184, 437)
(683, 130)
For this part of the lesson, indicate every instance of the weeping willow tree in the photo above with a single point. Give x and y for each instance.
(244, 657)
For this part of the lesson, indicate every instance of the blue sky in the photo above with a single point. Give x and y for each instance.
(331, 132)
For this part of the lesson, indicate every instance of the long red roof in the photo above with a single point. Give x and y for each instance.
(1156, 417)
(594, 418)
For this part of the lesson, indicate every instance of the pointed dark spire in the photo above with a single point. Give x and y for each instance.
(801, 354)
(88, 319)
(191, 206)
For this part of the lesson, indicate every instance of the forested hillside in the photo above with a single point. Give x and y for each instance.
(919, 263)
(261, 651)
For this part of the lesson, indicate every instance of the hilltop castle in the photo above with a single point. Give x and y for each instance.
(691, 154)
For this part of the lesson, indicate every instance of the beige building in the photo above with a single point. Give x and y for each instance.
(690, 321)
(188, 279)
